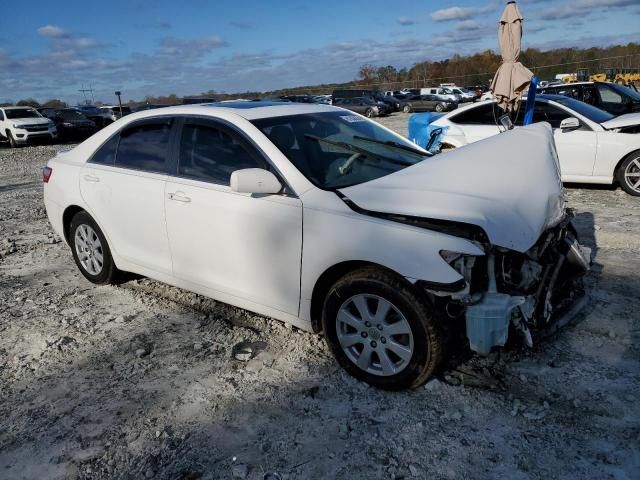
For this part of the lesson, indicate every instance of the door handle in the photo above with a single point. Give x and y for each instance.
(178, 197)
(91, 178)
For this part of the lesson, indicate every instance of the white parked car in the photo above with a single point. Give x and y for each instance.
(465, 95)
(25, 125)
(317, 216)
(593, 145)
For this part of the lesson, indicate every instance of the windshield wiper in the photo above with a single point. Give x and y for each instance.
(391, 143)
(353, 148)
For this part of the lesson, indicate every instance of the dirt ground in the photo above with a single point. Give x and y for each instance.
(140, 380)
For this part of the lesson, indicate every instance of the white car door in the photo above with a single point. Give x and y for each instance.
(576, 148)
(244, 245)
(478, 122)
(123, 186)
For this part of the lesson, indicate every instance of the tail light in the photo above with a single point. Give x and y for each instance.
(46, 174)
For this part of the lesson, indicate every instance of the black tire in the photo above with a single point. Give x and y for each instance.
(406, 108)
(428, 336)
(631, 164)
(12, 140)
(368, 113)
(108, 274)
(439, 107)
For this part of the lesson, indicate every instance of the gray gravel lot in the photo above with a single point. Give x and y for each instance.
(140, 381)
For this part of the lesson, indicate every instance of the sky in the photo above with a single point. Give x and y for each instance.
(52, 49)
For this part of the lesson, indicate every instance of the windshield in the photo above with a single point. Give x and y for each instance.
(592, 113)
(339, 149)
(70, 115)
(21, 113)
(625, 91)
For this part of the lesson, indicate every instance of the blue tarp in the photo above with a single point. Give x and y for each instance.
(421, 130)
(531, 101)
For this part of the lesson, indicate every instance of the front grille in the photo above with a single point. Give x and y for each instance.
(36, 128)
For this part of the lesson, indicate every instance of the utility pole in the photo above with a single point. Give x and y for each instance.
(84, 93)
(119, 102)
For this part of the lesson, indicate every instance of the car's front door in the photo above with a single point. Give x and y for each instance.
(242, 245)
(123, 187)
(479, 122)
(576, 148)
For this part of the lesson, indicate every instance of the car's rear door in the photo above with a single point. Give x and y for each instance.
(478, 122)
(123, 186)
(242, 245)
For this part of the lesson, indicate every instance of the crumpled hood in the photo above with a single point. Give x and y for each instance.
(626, 120)
(508, 184)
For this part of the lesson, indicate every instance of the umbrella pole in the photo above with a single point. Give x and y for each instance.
(531, 101)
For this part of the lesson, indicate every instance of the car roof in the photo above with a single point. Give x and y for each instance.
(18, 108)
(248, 110)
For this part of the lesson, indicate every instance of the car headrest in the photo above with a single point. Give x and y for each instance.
(283, 137)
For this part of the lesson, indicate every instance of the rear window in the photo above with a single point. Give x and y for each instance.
(145, 146)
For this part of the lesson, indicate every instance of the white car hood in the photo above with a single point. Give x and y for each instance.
(29, 121)
(508, 184)
(626, 120)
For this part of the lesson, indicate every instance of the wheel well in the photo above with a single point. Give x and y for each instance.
(66, 219)
(327, 280)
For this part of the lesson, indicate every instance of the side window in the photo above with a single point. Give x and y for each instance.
(145, 146)
(544, 112)
(106, 154)
(590, 95)
(607, 95)
(212, 154)
(482, 115)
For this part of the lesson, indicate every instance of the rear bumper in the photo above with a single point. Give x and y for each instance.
(54, 214)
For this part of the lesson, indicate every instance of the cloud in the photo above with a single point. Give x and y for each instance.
(52, 31)
(406, 21)
(164, 25)
(191, 47)
(461, 13)
(582, 8)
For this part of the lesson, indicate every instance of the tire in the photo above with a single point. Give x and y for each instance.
(628, 174)
(406, 108)
(86, 239)
(420, 346)
(439, 107)
(368, 113)
(12, 140)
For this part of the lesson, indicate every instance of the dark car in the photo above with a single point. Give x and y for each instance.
(393, 104)
(94, 114)
(431, 103)
(611, 97)
(298, 98)
(366, 106)
(70, 123)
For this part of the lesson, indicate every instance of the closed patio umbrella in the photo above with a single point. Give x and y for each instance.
(512, 77)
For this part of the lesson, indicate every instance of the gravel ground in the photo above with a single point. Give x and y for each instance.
(140, 380)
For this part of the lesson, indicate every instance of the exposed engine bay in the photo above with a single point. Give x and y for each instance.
(529, 292)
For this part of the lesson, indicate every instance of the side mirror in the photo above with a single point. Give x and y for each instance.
(255, 180)
(568, 124)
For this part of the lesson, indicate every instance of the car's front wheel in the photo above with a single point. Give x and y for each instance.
(368, 113)
(406, 108)
(628, 174)
(90, 250)
(439, 107)
(381, 331)
(12, 140)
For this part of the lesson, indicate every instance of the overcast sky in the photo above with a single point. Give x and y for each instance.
(50, 49)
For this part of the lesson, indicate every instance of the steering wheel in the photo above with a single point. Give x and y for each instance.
(346, 166)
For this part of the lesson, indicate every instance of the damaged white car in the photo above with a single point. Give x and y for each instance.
(317, 216)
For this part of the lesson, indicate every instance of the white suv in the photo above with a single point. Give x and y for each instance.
(24, 125)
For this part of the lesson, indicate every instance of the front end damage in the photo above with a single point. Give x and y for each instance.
(529, 293)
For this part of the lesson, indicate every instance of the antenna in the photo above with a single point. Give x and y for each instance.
(84, 92)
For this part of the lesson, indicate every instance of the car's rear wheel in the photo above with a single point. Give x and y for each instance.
(439, 107)
(368, 113)
(90, 250)
(381, 331)
(628, 174)
(406, 108)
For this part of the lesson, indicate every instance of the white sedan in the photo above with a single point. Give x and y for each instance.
(593, 145)
(317, 216)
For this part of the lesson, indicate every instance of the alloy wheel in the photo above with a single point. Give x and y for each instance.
(89, 249)
(374, 335)
(632, 175)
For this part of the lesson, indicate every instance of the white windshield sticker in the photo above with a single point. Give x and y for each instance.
(352, 118)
